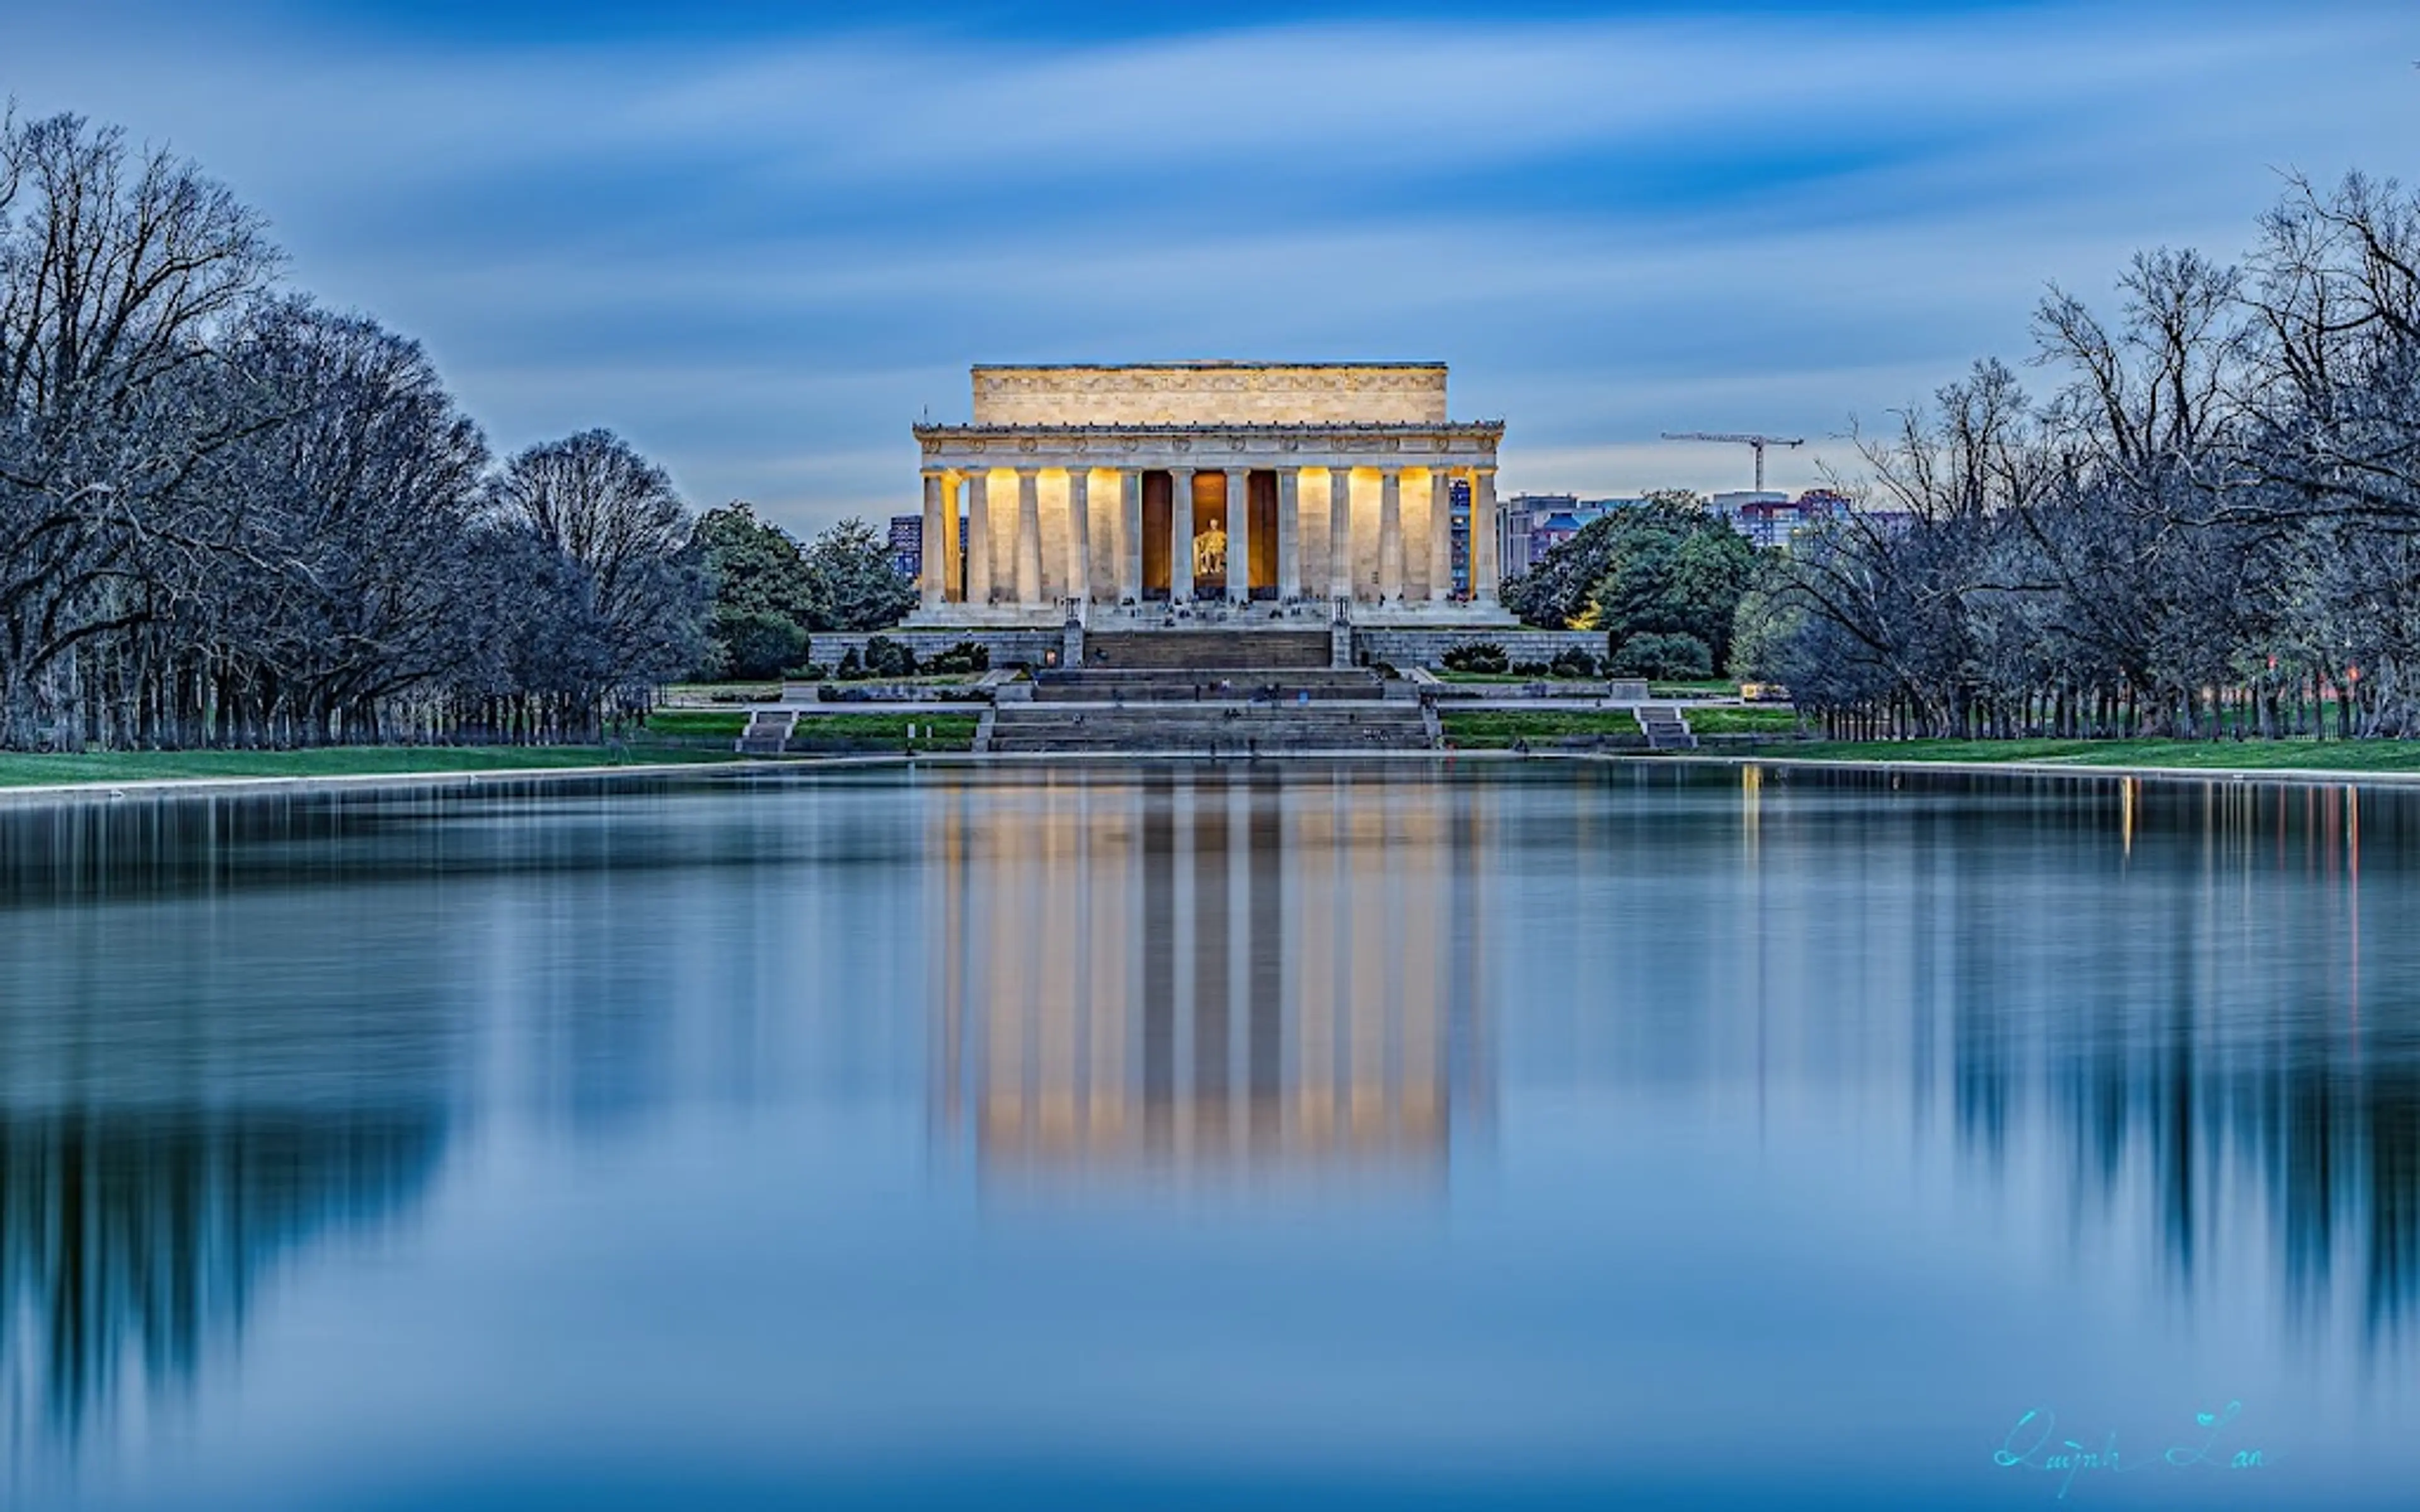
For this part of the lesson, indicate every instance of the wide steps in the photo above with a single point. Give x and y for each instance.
(1666, 728)
(1192, 686)
(1255, 650)
(767, 732)
(1229, 729)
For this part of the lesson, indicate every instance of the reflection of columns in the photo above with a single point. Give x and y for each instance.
(1239, 534)
(933, 570)
(1028, 536)
(1289, 533)
(1180, 531)
(1340, 531)
(979, 536)
(1079, 535)
(1484, 564)
(1390, 535)
(1440, 536)
(1129, 536)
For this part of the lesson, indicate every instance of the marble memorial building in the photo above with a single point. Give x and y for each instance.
(1221, 490)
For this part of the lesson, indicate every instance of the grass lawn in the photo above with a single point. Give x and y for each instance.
(1721, 687)
(919, 680)
(335, 761)
(1495, 728)
(695, 693)
(1516, 679)
(2180, 755)
(1745, 719)
(726, 723)
(934, 731)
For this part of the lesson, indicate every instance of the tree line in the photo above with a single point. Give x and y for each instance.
(2209, 526)
(231, 516)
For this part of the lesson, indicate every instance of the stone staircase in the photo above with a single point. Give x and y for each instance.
(1666, 728)
(1170, 685)
(1210, 729)
(1257, 649)
(767, 732)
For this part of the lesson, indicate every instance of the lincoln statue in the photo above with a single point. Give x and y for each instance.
(1209, 490)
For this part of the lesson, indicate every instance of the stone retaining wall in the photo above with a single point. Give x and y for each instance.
(1398, 647)
(1427, 648)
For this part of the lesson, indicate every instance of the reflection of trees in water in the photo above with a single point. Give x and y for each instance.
(129, 1241)
(2217, 1045)
(153, 845)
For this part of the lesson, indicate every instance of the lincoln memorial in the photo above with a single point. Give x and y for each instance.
(1212, 491)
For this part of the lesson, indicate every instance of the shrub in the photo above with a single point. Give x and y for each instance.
(1530, 669)
(885, 658)
(965, 656)
(1669, 657)
(1476, 656)
(757, 644)
(1573, 662)
(813, 671)
(850, 666)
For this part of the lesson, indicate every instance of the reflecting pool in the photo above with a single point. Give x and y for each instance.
(1524, 1133)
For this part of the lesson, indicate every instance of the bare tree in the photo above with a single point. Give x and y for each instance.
(595, 499)
(120, 272)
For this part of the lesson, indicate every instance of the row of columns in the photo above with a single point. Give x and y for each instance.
(941, 536)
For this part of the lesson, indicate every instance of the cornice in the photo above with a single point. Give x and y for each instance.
(1158, 446)
(1206, 427)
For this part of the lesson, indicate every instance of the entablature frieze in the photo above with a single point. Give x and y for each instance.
(1149, 448)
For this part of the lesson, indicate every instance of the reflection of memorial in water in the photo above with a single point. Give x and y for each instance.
(1207, 969)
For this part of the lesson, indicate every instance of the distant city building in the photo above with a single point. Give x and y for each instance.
(908, 545)
(1550, 519)
(1523, 514)
(1459, 501)
(1774, 520)
(1536, 523)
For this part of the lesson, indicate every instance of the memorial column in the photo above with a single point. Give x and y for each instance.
(979, 536)
(934, 566)
(1339, 532)
(1486, 560)
(954, 556)
(1440, 536)
(1130, 535)
(1289, 534)
(1239, 535)
(1028, 536)
(1180, 533)
(1079, 535)
(1390, 535)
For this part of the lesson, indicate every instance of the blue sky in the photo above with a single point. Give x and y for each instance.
(761, 238)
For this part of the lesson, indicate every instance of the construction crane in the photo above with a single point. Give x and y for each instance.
(1754, 443)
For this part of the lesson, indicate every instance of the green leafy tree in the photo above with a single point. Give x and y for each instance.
(765, 594)
(854, 586)
(1664, 567)
(1675, 570)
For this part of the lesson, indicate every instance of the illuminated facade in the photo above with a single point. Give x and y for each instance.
(1208, 971)
(1235, 489)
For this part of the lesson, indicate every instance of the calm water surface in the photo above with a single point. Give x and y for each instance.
(1536, 1136)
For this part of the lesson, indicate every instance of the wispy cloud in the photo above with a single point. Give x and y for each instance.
(762, 253)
